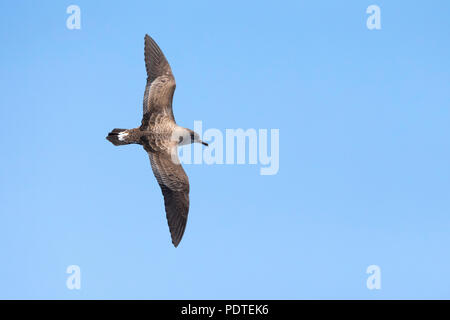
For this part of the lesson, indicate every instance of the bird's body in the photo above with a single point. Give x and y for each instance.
(160, 136)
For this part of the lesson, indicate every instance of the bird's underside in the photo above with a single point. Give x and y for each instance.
(156, 135)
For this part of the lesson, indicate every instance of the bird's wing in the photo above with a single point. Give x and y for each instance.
(160, 83)
(174, 185)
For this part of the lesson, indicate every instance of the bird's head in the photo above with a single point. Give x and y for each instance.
(195, 138)
(187, 136)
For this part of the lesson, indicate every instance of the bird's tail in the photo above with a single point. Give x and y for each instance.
(118, 137)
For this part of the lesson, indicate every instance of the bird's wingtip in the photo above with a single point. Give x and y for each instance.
(176, 242)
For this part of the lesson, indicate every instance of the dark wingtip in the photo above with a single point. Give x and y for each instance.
(147, 38)
(176, 238)
(176, 242)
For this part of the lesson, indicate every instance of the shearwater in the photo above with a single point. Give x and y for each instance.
(160, 136)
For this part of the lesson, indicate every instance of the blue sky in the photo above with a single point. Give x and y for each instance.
(364, 173)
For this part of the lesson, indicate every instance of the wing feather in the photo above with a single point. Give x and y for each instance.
(160, 85)
(174, 185)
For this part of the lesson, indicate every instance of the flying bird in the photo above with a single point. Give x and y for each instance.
(160, 136)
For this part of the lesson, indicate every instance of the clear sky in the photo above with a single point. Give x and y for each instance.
(364, 174)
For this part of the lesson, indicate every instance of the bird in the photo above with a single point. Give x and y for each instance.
(160, 136)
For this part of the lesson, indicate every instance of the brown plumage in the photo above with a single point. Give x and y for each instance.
(160, 137)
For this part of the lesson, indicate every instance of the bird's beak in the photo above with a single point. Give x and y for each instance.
(204, 143)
